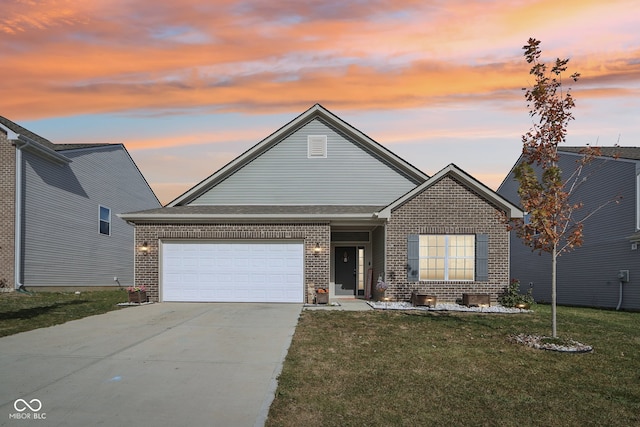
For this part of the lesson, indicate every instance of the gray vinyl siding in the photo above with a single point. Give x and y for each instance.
(62, 245)
(284, 174)
(587, 276)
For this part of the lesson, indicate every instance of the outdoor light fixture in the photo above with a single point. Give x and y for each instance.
(144, 248)
(316, 250)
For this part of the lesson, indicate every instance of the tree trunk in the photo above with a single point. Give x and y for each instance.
(554, 256)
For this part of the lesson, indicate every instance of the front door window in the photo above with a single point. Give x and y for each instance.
(361, 271)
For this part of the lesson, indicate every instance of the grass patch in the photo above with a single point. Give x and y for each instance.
(419, 368)
(23, 312)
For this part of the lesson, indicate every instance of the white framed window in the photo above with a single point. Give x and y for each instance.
(447, 257)
(317, 146)
(104, 220)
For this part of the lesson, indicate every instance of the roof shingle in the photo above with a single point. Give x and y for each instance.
(632, 153)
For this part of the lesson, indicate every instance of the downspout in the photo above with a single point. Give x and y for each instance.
(623, 277)
(18, 218)
(620, 296)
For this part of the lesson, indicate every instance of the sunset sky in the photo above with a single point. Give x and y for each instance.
(189, 85)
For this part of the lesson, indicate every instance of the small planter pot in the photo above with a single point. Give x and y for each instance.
(138, 297)
(322, 298)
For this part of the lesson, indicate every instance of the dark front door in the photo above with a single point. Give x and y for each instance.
(345, 270)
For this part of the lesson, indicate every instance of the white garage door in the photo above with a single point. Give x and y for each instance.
(233, 271)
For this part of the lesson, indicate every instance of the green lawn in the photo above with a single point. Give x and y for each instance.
(23, 312)
(386, 368)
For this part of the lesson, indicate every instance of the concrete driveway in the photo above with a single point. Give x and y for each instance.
(169, 364)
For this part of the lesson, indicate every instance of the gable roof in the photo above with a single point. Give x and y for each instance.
(511, 210)
(26, 140)
(316, 111)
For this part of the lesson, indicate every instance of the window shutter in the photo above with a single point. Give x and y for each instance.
(413, 257)
(482, 257)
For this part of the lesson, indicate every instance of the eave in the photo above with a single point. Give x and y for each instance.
(27, 144)
(139, 218)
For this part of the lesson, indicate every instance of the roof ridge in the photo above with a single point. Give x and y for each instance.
(73, 146)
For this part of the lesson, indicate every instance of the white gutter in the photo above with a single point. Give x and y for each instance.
(247, 217)
(28, 144)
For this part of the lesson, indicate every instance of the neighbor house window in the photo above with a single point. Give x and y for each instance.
(105, 220)
(447, 256)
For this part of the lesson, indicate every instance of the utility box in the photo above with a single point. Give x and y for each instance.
(623, 276)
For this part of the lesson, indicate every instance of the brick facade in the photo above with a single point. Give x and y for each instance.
(7, 211)
(446, 207)
(316, 265)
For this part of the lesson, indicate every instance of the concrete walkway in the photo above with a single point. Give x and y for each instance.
(341, 304)
(168, 364)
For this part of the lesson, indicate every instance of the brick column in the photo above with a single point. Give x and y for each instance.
(7, 211)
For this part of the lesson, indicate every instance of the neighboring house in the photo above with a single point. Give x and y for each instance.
(320, 204)
(58, 211)
(588, 276)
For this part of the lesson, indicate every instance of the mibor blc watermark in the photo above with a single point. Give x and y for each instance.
(28, 410)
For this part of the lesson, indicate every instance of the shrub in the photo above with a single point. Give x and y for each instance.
(512, 296)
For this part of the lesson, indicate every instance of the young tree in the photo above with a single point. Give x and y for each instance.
(550, 225)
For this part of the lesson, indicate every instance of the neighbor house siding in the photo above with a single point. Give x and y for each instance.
(7, 211)
(62, 245)
(587, 276)
(446, 207)
(349, 175)
(316, 265)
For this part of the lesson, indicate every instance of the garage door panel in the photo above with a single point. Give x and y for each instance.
(233, 272)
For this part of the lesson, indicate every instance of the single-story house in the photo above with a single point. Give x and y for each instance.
(603, 272)
(319, 204)
(58, 212)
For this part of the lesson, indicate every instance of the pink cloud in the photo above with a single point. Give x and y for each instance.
(66, 58)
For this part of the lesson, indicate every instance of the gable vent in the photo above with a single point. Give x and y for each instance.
(317, 146)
